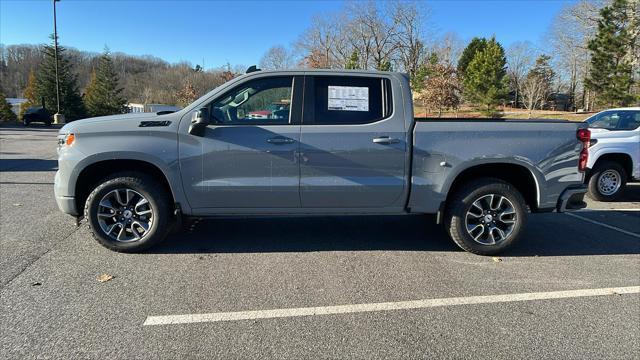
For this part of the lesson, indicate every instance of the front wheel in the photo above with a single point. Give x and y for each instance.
(128, 212)
(485, 216)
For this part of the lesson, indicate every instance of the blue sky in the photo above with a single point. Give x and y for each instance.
(239, 31)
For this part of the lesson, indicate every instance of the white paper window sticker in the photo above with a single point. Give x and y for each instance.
(348, 98)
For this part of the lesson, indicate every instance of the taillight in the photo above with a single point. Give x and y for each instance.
(584, 136)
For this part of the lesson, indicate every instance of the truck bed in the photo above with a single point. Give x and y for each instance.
(444, 148)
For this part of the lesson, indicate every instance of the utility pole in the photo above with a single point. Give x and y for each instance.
(57, 118)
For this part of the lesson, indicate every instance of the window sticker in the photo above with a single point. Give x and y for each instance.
(348, 98)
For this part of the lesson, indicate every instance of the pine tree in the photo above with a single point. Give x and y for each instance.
(29, 93)
(70, 101)
(6, 114)
(385, 66)
(468, 54)
(484, 81)
(103, 96)
(424, 71)
(353, 62)
(611, 75)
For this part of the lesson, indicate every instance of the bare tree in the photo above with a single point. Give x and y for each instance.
(277, 58)
(377, 36)
(532, 89)
(317, 42)
(536, 87)
(448, 48)
(520, 57)
(410, 19)
(570, 32)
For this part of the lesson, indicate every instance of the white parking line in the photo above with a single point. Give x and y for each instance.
(386, 306)
(608, 209)
(604, 225)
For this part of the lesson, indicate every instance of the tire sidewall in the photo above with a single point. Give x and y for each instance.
(463, 203)
(158, 228)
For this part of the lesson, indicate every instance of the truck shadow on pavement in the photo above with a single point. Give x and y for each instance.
(546, 235)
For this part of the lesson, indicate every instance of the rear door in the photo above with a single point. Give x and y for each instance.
(352, 143)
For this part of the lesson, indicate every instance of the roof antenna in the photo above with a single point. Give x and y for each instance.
(251, 69)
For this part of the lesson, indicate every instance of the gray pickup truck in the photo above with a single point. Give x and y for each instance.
(315, 142)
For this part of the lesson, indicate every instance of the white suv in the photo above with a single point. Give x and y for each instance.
(614, 154)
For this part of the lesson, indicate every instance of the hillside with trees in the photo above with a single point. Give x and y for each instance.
(590, 59)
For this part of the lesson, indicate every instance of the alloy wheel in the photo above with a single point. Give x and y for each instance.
(125, 215)
(491, 219)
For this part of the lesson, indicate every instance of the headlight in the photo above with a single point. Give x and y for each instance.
(66, 139)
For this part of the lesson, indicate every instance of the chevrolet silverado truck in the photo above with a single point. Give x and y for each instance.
(345, 143)
(614, 152)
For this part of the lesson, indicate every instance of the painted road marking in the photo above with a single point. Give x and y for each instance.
(386, 306)
(608, 209)
(604, 225)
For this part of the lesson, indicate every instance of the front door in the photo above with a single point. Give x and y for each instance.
(352, 144)
(247, 157)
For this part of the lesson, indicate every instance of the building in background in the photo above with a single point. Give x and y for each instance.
(16, 103)
(151, 108)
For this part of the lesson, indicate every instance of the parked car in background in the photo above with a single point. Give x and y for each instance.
(37, 114)
(347, 144)
(614, 154)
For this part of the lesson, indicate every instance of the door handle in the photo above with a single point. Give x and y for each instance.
(280, 140)
(385, 140)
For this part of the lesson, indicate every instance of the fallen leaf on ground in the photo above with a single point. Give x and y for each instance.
(36, 283)
(105, 277)
(17, 204)
(497, 259)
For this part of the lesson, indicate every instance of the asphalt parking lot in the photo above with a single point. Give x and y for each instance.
(379, 287)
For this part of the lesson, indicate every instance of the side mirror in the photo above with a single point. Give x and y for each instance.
(199, 122)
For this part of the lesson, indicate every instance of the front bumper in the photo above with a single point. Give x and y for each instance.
(572, 199)
(67, 204)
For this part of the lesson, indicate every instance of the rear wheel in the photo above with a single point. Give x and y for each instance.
(607, 181)
(486, 216)
(128, 212)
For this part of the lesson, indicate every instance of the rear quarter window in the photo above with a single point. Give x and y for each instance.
(344, 100)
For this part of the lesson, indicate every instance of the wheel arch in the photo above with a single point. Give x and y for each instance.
(621, 158)
(518, 175)
(93, 172)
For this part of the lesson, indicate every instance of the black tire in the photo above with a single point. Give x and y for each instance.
(159, 203)
(613, 168)
(461, 203)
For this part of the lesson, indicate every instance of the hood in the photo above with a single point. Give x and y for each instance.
(131, 121)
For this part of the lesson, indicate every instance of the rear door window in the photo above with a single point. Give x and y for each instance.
(345, 100)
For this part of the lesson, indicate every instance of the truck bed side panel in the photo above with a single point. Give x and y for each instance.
(444, 149)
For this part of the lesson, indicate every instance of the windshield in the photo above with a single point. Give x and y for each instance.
(615, 120)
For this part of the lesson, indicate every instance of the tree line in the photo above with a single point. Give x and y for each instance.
(591, 60)
(94, 84)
